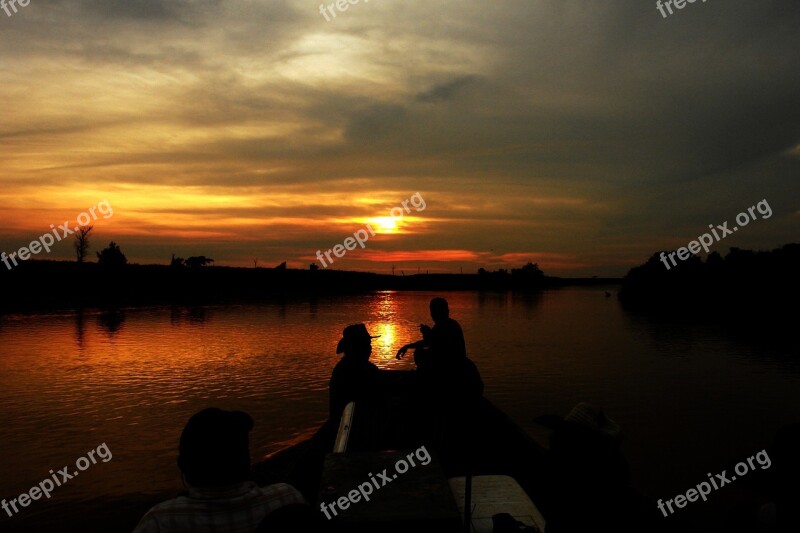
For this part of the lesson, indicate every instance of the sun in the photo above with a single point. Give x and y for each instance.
(384, 224)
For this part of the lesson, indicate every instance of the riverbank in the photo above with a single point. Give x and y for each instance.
(47, 285)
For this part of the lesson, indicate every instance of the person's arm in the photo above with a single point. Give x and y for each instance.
(424, 342)
(402, 351)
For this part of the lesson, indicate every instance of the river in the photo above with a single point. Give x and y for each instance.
(689, 397)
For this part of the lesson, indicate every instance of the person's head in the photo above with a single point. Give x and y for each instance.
(439, 309)
(215, 448)
(356, 341)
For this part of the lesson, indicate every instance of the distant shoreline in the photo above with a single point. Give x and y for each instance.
(42, 285)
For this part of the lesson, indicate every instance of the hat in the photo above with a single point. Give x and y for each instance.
(353, 333)
(586, 416)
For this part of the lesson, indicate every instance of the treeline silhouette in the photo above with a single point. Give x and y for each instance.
(112, 281)
(746, 284)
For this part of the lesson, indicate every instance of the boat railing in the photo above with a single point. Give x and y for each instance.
(343, 435)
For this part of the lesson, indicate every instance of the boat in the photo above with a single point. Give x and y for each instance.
(482, 466)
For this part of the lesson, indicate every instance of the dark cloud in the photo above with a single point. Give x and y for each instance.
(445, 91)
(146, 10)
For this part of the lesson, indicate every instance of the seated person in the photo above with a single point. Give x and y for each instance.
(443, 344)
(214, 459)
(354, 378)
(441, 356)
(589, 479)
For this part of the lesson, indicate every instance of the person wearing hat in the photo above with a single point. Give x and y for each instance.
(588, 477)
(354, 378)
(214, 460)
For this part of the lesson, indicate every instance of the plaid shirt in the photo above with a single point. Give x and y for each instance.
(233, 509)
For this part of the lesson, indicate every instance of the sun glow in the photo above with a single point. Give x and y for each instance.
(384, 224)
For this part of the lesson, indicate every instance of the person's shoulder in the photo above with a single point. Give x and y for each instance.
(153, 520)
(342, 366)
(365, 367)
(453, 323)
(172, 503)
(283, 492)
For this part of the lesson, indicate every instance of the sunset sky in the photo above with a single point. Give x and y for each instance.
(580, 135)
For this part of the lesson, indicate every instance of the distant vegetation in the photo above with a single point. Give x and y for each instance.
(743, 283)
(111, 258)
(191, 262)
(529, 276)
(112, 281)
(82, 242)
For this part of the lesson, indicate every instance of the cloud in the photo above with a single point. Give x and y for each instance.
(537, 127)
(445, 91)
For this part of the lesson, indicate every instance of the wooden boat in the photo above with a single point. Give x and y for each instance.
(474, 440)
(492, 495)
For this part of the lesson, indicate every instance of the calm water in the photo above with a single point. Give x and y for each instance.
(689, 398)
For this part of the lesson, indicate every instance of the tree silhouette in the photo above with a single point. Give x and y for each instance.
(529, 271)
(111, 257)
(82, 242)
(198, 261)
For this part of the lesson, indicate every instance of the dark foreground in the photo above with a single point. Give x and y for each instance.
(471, 437)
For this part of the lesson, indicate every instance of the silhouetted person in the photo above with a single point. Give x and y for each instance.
(354, 378)
(442, 344)
(214, 459)
(777, 484)
(441, 357)
(589, 478)
(449, 383)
